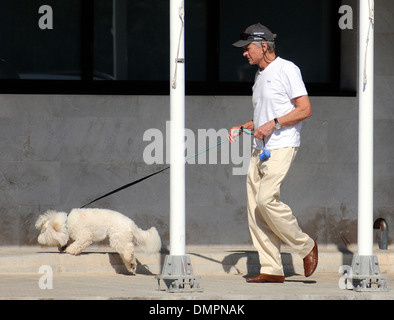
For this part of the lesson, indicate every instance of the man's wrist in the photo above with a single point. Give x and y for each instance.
(248, 125)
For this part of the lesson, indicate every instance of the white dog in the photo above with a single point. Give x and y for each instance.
(82, 227)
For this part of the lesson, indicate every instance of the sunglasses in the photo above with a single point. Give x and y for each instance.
(248, 36)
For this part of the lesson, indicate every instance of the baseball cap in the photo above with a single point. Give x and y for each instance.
(255, 32)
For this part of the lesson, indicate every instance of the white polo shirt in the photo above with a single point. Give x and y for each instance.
(273, 89)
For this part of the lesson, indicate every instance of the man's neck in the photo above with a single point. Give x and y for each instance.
(267, 59)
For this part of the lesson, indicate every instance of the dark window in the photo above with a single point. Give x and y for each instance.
(35, 53)
(122, 46)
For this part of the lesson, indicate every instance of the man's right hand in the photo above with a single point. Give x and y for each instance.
(233, 133)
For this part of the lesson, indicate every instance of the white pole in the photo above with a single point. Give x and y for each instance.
(177, 270)
(177, 135)
(365, 145)
(365, 271)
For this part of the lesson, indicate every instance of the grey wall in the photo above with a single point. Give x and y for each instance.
(61, 151)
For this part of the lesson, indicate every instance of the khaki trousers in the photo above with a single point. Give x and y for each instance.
(270, 220)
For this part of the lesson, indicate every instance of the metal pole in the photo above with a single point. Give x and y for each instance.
(366, 274)
(177, 270)
(177, 131)
(365, 159)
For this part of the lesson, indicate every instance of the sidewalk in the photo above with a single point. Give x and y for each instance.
(97, 275)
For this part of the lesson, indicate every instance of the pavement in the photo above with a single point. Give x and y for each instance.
(35, 273)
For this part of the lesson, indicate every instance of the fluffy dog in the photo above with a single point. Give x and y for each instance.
(82, 227)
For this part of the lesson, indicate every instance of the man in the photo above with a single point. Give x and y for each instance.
(280, 103)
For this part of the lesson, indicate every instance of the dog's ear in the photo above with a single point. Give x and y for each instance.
(56, 226)
(41, 221)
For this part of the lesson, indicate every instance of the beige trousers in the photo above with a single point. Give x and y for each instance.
(270, 220)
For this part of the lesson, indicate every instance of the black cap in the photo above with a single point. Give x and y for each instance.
(255, 32)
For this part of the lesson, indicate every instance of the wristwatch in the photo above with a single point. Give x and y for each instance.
(277, 124)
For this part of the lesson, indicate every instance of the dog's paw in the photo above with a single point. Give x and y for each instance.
(73, 251)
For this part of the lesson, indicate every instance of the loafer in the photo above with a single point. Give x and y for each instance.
(310, 261)
(263, 278)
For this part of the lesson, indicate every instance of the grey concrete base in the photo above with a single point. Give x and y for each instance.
(99, 275)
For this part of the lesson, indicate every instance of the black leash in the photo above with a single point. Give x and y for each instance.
(157, 172)
(126, 186)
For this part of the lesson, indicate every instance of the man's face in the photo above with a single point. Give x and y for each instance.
(253, 53)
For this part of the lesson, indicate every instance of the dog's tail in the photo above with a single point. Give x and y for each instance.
(148, 239)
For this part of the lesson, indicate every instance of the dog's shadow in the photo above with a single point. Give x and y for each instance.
(229, 262)
(116, 262)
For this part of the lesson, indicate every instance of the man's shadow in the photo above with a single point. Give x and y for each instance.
(230, 261)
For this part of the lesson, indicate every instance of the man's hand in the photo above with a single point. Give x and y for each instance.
(301, 111)
(237, 130)
(233, 133)
(265, 130)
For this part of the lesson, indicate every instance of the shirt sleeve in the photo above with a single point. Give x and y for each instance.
(292, 80)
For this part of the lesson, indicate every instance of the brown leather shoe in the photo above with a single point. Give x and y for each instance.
(262, 277)
(310, 261)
